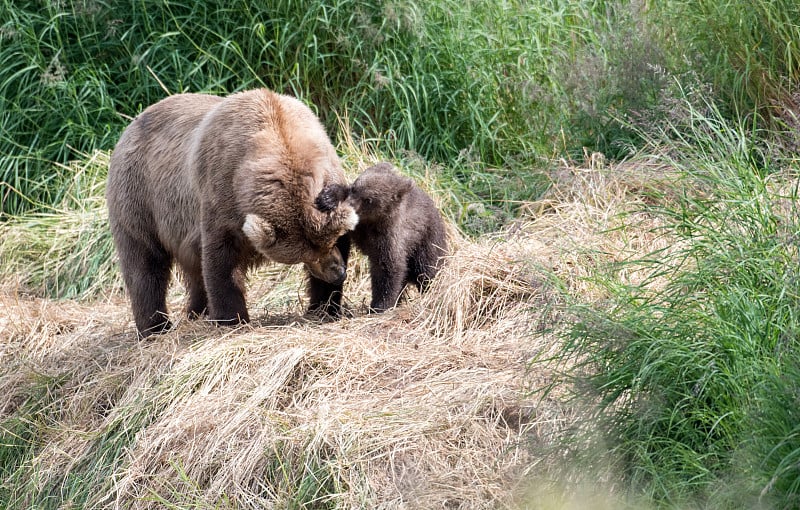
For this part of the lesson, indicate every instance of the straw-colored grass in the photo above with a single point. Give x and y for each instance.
(431, 405)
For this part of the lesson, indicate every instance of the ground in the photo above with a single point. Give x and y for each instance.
(436, 404)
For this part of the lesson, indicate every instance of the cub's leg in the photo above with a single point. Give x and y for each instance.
(388, 277)
(326, 298)
(223, 278)
(424, 265)
(146, 270)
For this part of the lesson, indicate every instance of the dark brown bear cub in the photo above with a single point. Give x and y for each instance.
(399, 229)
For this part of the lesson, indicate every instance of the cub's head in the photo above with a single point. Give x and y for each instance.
(376, 193)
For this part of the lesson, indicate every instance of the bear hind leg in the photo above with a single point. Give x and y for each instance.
(388, 279)
(424, 266)
(198, 299)
(146, 271)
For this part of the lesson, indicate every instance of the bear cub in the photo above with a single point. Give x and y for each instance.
(400, 230)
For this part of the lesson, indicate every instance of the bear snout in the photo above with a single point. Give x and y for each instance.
(330, 269)
(341, 276)
(333, 274)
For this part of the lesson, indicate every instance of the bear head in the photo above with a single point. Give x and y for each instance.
(314, 244)
(376, 193)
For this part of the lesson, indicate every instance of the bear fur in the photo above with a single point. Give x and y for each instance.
(220, 185)
(400, 230)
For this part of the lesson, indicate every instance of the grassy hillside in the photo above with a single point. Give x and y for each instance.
(615, 328)
(625, 342)
(424, 406)
(436, 403)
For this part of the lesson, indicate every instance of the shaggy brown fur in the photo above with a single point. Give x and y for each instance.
(219, 185)
(400, 230)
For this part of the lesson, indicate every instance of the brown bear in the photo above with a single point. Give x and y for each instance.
(219, 185)
(399, 229)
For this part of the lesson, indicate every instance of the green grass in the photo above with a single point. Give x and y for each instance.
(503, 85)
(87, 407)
(773, 445)
(65, 250)
(746, 50)
(682, 373)
(187, 495)
(433, 78)
(22, 430)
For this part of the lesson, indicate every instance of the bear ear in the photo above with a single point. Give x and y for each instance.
(338, 222)
(402, 185)
(348, 219)
(331, 196)
(259, 231)
(383, 167)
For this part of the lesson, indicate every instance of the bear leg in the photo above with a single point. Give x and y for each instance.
(326, 298)
(387, 278)
(198, 299)
(146, 271)
(223, 279)
(424, 266)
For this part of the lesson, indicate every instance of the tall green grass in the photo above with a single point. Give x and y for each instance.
(436, 78)
(747, 50)
(690, 374)
(64, 250)
(495, 88)
(21, 429)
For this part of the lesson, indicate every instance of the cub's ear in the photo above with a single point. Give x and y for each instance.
(331, 196)
(401, 185)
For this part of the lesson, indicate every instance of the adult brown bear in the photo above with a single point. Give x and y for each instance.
(219, 185)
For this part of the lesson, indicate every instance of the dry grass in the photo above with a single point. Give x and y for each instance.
(430, 405)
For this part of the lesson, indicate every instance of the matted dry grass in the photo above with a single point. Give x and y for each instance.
(430, 405)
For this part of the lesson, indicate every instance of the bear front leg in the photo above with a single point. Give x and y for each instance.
(224, 281)
(388, 277)
(326, 298)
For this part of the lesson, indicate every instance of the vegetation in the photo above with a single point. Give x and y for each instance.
(436, 78)
(687, 365)
(620, 177)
